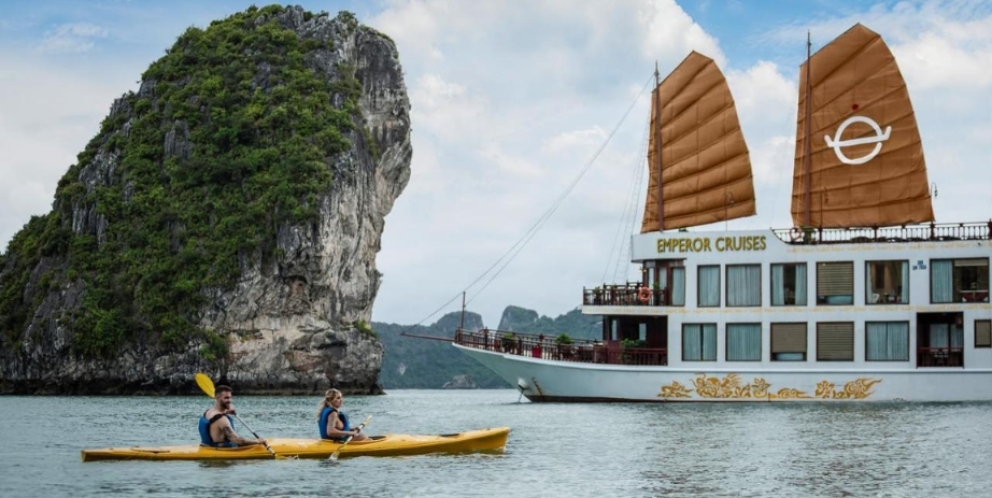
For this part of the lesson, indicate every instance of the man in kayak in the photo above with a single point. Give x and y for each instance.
(217, 426)
(333, 423)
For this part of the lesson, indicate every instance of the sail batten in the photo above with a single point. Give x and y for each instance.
(867, 167)
(702, 121)
(701, 172)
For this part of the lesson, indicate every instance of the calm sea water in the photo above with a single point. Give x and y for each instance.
(567, 450)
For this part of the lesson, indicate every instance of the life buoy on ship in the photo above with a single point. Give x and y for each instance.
(644, 294)
(795, 233)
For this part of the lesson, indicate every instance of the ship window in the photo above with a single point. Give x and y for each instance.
(789, 284)
(743, 285)
(789, 341)
(709, 286)
(835, 283)
(699, 342)
(886, 282)
(678, 286)
(887, 341)
(743, 342)
(959, 280)
(835, 341)
(983, 333)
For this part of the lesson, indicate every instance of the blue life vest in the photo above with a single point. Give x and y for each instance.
(204, 428)
(325, 415)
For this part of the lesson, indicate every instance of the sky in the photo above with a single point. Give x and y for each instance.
(525, 114)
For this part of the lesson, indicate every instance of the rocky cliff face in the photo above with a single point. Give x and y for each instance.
(292, 317)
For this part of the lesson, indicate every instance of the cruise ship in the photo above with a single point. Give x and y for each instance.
(867, 298)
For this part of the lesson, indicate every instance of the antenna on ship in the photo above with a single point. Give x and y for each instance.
(807, 150)
(462, 325)
(656, 130)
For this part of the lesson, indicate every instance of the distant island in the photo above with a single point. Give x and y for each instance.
(413, 363)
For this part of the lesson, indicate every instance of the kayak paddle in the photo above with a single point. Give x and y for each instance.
(334, 456)
(207, 386)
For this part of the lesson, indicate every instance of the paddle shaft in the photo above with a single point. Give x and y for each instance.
(334, 456)
(253, 433)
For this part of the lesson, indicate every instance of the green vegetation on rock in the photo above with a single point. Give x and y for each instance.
(252, 129)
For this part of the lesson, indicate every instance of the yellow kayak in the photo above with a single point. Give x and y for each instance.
(387, 445)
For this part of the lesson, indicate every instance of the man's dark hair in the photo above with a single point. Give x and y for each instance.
(220, 390)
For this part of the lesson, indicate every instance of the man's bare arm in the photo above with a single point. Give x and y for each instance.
(233, 437)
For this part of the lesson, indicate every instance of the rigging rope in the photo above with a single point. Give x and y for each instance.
(630, 206)
(561, 198)
(517, 246)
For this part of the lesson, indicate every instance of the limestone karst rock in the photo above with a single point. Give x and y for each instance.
(225, 219)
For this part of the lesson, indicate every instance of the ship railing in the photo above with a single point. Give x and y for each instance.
(871, 235)
(940, 356)
(550, 348)
(628, 294)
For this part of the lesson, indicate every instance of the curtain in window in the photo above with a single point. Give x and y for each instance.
(699, 342)
(942, 283)
(871, 297)
(709, 286)
(743, 342)
(744, 285)
(692, 342)
(938, 335)
(899, 341)
(778, 285)
(904, 295)
(709, 342)
(801, 285)
(678, 286)
(957, 337)
(887, 341)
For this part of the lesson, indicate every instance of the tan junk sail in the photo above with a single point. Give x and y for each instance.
(866, 166)
(704, 175)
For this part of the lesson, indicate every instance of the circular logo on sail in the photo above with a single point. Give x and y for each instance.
(837, 144)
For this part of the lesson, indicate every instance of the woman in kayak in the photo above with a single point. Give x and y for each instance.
(332, 422)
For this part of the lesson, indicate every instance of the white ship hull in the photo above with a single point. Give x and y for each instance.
(549, 380)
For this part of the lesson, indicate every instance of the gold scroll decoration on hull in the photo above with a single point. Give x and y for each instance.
(866, 165)
(732, 387)
(704, 175)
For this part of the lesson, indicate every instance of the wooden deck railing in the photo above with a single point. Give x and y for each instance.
(912, 233)
(940, 357)
(545, 347)
(629, 294)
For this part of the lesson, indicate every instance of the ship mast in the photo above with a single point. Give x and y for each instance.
(657, 149)
(806, 134)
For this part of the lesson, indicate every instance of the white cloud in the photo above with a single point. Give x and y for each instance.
(510, 104)
(47, 115)
(936, 60)
(585, 140)
(544, 87)
(447, 110)
(671, 33)
(71, 38)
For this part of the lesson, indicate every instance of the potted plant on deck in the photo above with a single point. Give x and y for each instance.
(509, 342)
(627, 357)
(564, 343)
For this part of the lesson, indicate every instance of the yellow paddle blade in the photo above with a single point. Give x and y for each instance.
(206, 385)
